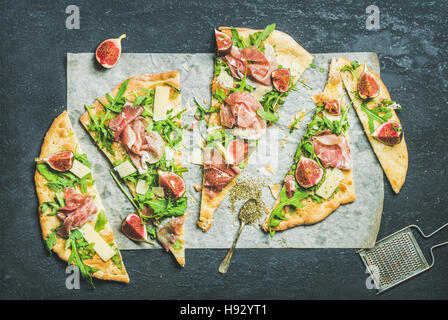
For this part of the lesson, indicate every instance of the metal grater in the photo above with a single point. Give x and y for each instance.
(397, 258)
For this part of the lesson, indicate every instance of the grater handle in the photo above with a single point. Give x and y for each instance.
(430, 235)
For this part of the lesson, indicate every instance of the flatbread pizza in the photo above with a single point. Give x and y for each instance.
(321, 178)
(377, 113)
(138, 127)
(254, 72)
(73, 221)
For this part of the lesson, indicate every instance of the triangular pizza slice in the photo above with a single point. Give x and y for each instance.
(74, 223)
(376, 111)
(321, 178)
(254, 72)
(138, 127)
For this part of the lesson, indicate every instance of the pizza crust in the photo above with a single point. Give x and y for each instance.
(61, 137)
(394, 160)
(136, 83)
(313, 212)
(290, 55)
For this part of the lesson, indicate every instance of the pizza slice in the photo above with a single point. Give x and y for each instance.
(376, 111)
(74, 224)
(254, 72)
(138, 127)
(321, 178)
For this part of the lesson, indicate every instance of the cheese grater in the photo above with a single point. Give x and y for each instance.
(397, 258)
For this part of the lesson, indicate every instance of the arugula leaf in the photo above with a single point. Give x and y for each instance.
(51, 241)
(85, 270)
(83, 159)
(373, 115)
(236, 40)
(177, 245)
(267, 115)
(103, 135)
(351, 68)
(220, 95)
(257, 38)
(277, 214)
(101, 221)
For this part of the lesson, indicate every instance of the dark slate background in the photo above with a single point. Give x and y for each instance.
(412, 48)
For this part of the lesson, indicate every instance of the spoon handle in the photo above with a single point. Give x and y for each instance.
(225, 264)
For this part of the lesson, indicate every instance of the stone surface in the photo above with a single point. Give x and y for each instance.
(411, 45)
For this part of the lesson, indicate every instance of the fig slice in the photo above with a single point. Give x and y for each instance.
(238, 150)
(368, 87)
(223, 43)
(109, 51)
(280, 79)
(333, 107)
(308, 172)
(133, 228)
(172, 184)
(389, 133)
(59, 161)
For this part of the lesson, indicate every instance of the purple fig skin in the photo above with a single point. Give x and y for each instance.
(308, 173)
(176, 189)
(133, 228)
(223, 43)
(280, 79)
(389, 133)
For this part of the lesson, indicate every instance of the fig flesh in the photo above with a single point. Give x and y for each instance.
(368, 87)
(333, 107)
(389, 133)
(59, 161)
(172, 184)
(280, 79)
(223, 43)
(109, 51)
(308, 173)
(133, 228)
(238, 150)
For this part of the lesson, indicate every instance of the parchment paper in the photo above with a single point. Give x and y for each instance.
(351, 226)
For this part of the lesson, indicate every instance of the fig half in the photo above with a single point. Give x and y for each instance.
(172, 184)
(59, 161)
(333, 107)
(134, 229)
(109, 51)
(389, 133)
(308, 172)
(280, 79)
(223, 43)
(238, 149)
(368, 87)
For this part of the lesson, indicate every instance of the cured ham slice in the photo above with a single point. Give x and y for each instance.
(77, 210)
(240, 109)
(127, 115)
(143, 147)
(332, 150)
(257, 65)
(169, 233)
(217, 174)
(290, 185)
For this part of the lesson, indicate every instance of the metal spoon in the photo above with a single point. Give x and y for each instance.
(225, 264)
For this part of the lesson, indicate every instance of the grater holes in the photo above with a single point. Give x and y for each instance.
(395, 259)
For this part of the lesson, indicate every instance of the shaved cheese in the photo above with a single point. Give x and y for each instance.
(275, 190)
(101, 247)
(332, 180)
(79, 169)
(161, 102)
(142, 186)
(125, 169)
(332, 117)
(225, 80)
(227, 157)
(196, 157)
(260, 91)
(158, 191)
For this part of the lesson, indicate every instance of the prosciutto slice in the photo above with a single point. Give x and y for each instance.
(240, 109)
(127, 115)
(259, 65)
(78, 208)
(217, 174)
(143, 147)
(169, 233)
(332, 150)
